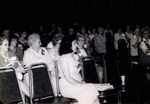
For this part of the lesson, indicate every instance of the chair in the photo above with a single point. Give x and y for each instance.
(89, 71)
(123, 57)
(9, 88)
(40, 86)
(144, 82)
(90, 75)
(112, 70)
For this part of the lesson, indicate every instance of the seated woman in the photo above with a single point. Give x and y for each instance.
(14, 47)
(9, 59)
(144, 47)
(71, 83)
(83, 51)
(37, 54)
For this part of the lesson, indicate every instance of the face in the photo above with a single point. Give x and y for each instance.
(37, 44)
(93, 30)
(13, 42)
(4, 46)
(71, 31)
(83, 30)
(6, 32)
(80, 42)
(146, 34)
(24, 34)
(100, 30)
(58, 37)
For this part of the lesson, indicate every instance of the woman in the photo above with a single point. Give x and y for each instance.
(100, 41)
(71, 82)
(14, 47)
(7, 59)
(37, 54)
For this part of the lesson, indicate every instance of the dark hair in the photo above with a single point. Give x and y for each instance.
(52, 35)
(2, 38)
(79, 36)
(145, 28)
(13, 37)
(66, 44)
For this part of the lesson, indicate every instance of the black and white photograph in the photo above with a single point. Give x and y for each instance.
(74, 52)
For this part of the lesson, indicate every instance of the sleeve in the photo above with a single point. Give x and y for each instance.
(50, 62)
(26, 58)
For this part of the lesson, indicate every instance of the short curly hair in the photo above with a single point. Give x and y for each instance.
(32, 38)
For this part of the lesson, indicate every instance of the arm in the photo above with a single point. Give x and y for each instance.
(66, 72)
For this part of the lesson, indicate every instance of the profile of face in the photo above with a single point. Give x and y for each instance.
(4, 46)
(37, 43)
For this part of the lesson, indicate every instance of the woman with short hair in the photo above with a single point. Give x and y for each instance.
(37, 54)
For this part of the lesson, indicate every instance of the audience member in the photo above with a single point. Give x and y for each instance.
(37, 54)
(9, 59)
(78, 47)
(14, 47)
(118, 35)
(79, 44)
(145, 45)
(71, 83)
(93, 33)
(108, 33)
(23, 41)
(100, 41)
(83, 32)
(6, 33)
(128, 33)
(134, 41)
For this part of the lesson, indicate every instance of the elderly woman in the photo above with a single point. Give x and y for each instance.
(37, 54)
(9, 59)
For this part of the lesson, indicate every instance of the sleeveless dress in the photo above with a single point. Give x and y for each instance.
(85, 93)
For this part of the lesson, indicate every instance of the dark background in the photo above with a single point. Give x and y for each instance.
(30, 13)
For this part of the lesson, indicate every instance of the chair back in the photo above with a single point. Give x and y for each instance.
(40, 85)
(89, 71)
(112, 70)
(124, 57)
(143, 58)
(9, 87)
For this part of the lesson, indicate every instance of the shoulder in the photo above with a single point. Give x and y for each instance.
(11, 54)
(64, 57)
(28, 51)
